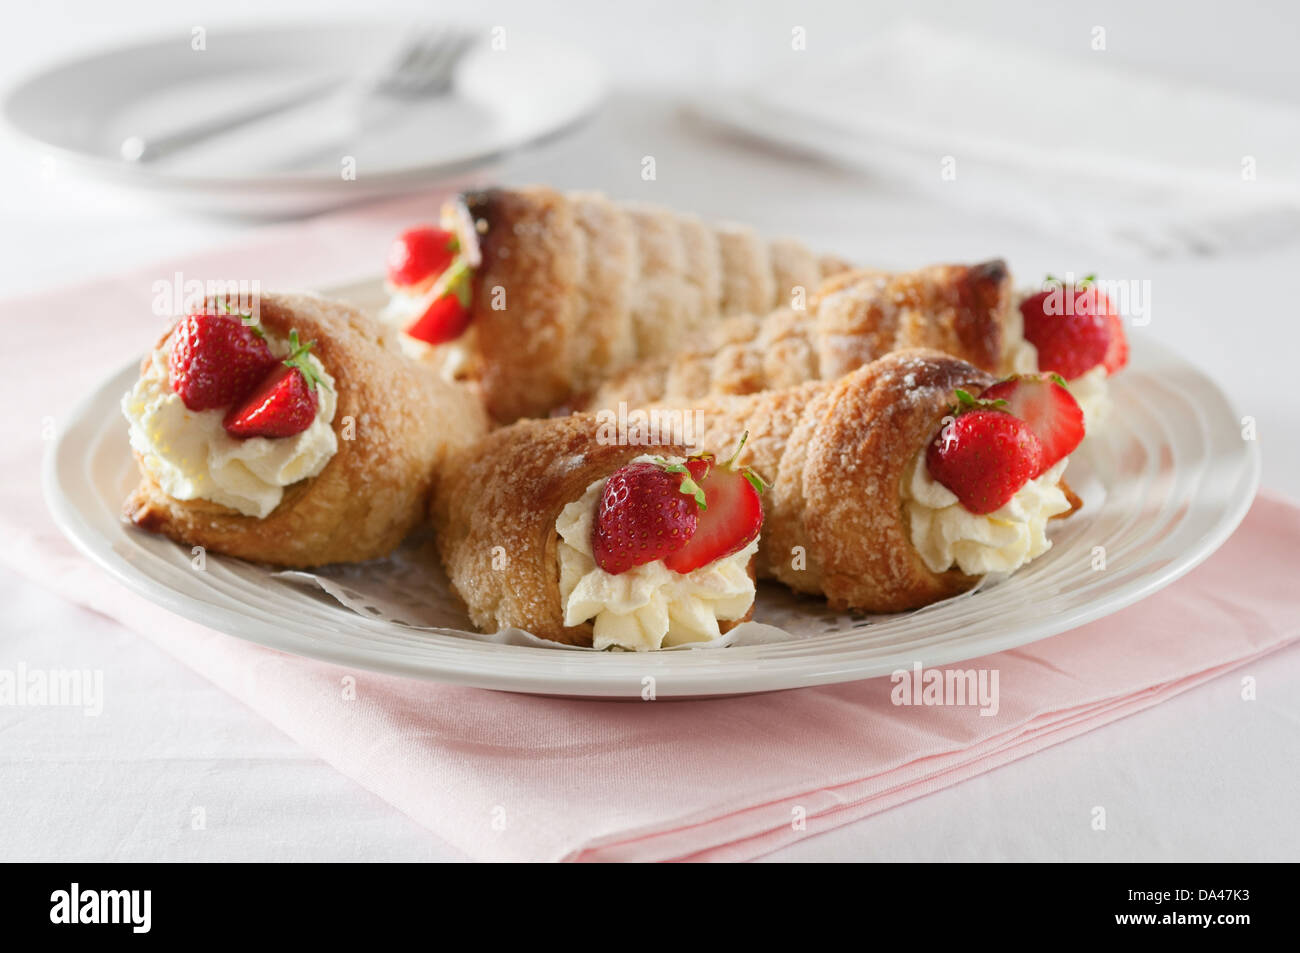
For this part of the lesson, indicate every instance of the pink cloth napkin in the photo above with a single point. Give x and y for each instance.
(515, 777)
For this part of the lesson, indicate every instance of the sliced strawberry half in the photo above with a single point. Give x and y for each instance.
(444, 320)
(1117, 354)
(732, 516)
(1047, 406)
(647, 511)
(449, 315)
(419, 254)
(284, 403)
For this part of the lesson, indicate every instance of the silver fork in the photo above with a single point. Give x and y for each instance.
(422, 67)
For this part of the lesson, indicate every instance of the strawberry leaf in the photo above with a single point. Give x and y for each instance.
(297, 359)
(458, 282)
(966, 403)
(729, 463)
(690, 488)
(688, 485)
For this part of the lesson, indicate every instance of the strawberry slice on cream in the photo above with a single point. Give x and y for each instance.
(204, 375)
(981, 494)
(658, 553)
(430, 278)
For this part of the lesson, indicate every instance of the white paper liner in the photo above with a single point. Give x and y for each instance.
(410, 589)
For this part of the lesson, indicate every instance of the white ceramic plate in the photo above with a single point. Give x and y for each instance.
(80, 112)
(1164, 485)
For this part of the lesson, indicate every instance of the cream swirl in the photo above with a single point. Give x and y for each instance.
(1092, 391)
(649, 606)
(191, 456)
(946, 534)
(406, 306)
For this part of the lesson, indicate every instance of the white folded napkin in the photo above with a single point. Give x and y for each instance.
(1084, 145)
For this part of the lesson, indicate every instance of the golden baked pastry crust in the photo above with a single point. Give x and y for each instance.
(591, 285)
(835, 453)
(854, 318)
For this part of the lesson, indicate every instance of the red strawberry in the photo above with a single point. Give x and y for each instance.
(732, 516)
(1071, 327)
(444, 320)
(647, 511)
(420, 253)
(284, 403)
(1048, 407)
(216, 359)
(448, 317)
(1117, 354)
(984, 456)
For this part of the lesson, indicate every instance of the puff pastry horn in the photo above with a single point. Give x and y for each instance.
(496, 511)
(967, 311)
(836, 454)
(374, 489)
(572, 287)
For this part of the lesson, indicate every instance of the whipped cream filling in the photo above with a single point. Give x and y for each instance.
(191, 456)
(405, 307)
(946, 534)
(1092, 391)
(649, 606)
(1022, 358)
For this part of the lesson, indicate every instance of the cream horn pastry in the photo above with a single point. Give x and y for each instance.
(297, 434)
(548, 526)
(539, 295)
(905, 481)
(969, 311)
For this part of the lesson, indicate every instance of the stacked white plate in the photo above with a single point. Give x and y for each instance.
(510, 90)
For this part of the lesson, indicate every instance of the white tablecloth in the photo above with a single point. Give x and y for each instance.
(1207, 775)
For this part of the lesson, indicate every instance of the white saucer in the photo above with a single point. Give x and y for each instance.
(503, 99)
